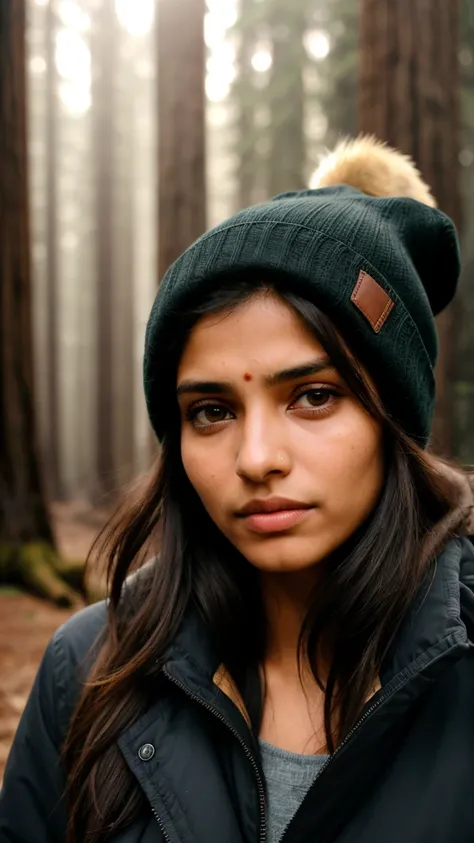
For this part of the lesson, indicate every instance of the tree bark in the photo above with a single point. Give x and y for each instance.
(409, 97)
(181, 127)
(27, 548)
(53, 430)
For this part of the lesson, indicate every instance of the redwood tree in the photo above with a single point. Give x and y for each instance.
(181, 127)
(409, 96)
(27, 549)
(53, 432)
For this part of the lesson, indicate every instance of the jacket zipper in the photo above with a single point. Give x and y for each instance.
(165, 834)
(346, 740)
(261, 791)
(263, 820)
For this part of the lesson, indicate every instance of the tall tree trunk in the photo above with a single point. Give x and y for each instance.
(409, 96)
(104, 59)
(181, 127)
(53, 430)
(27, 552)
(287, 159)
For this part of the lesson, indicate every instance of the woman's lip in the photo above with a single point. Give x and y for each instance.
(275, 522)
(274, 504)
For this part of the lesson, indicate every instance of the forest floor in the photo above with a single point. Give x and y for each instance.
(27, 623)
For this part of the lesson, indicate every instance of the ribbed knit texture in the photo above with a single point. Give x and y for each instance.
(320, 241)
(288, 778)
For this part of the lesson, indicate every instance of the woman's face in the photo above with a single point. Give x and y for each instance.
(284, 459)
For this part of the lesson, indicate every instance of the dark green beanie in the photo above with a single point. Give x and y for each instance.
(380, 267)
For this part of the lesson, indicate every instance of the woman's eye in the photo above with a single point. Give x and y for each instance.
(205, 416)
(314, 398)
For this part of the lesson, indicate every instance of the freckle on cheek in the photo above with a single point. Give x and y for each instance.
(247, 376)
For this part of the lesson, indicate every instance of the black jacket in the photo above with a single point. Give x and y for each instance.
(404, 775)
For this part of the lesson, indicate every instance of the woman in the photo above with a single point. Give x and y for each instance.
(296, 664)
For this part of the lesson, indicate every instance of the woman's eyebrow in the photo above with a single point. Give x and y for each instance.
(207, 387)
(305, 369)
(313, 367)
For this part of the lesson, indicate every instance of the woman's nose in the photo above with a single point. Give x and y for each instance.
(262, 450)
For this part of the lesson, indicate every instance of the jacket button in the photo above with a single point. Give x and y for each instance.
(146, 752)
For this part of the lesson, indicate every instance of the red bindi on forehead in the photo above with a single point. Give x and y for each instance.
(247, 376)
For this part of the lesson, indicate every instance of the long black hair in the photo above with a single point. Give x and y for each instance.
(367, 587)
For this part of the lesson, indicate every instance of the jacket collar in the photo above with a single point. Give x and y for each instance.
(435, 622)
(432, 635)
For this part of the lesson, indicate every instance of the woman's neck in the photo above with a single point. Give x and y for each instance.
(293, 711)
(286, 600)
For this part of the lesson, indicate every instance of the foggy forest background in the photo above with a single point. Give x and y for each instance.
(283, 81)
(128, 127)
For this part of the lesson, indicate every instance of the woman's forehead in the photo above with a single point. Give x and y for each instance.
(263, 334)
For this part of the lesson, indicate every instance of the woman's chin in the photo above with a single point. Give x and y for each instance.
(283, 555)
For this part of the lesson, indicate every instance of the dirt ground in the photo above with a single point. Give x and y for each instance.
(27, 623)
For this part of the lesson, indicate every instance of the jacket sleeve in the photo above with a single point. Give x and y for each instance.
(31, 800)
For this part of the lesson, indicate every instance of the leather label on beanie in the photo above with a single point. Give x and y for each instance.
(372, 300)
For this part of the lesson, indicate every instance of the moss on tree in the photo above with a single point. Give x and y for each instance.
(38, 568)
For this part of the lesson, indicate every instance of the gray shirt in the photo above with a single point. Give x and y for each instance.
(288, 777)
